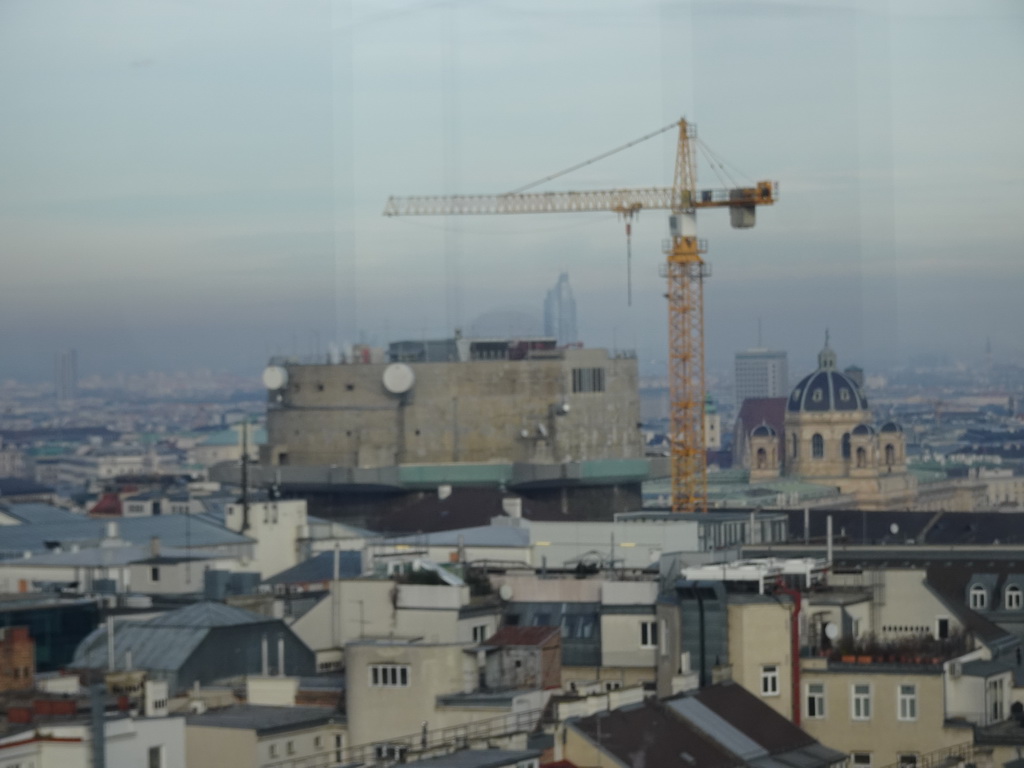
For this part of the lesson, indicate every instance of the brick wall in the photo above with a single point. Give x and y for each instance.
(17, 659)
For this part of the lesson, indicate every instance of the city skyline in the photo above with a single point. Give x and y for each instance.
(172, 200)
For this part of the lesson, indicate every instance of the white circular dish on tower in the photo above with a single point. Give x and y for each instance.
(398, 378)
(275, 377)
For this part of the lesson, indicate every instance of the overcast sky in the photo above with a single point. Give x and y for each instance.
(189, 183)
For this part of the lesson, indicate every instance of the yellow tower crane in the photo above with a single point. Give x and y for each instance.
(684, 269)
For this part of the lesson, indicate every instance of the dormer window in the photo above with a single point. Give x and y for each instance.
(978, 597)
(1013, 598)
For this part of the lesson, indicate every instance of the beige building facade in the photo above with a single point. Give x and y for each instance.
(397, 690)
(879, 714)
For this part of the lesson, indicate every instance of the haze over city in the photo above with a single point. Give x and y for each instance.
(201, 184)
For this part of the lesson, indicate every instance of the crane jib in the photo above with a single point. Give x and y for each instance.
(615, 200)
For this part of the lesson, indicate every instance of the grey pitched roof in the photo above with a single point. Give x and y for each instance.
(164, 642)
(721, 725)
(205, 615)
(321, 568)
(720, 729)
(264, 719)
(172, 530)
(110, 556)
(152, 648)
(477, 758)
(479, 536)
(39, 513)
(984, 668)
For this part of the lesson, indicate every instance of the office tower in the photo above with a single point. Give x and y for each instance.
(761, 373)
(65, 372)
(560, 312)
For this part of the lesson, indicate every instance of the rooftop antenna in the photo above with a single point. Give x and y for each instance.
(245, 475)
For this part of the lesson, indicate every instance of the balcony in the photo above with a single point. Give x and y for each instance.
(919, 651)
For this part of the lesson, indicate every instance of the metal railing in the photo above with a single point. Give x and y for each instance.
(947, 757)
(448, 739)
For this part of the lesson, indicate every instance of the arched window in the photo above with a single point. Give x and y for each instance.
(1013, 598)
(818, 447)
(862, 458)
(846, 444)
(978, 597)
(890, 454)
(762, 458)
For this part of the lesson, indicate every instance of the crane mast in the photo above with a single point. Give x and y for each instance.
(684, 271)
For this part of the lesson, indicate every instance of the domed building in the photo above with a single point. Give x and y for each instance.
(828, 439)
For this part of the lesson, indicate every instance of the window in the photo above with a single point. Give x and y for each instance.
(995, 700)
(978, 598)
(479, 633)
(588, 379)
(1013, 598)
(942, 627)
(907, 760)
(648, 634)
(861, 759)
(156, 757)
(890, 454)
(317, 742)
(770, 680)
(817, 446)
(762, 458)
(907, 702)
(794, 444)
(389, 675)
(273, 750)
(290, 747)
(846, 444)
(154, 574)
(390, 752)
(861, 705)
(815, 700)
(862, 458)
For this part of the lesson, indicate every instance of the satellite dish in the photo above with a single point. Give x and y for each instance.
(894, 529)
(275, 377)
(505, 592)
(398, 378)
(831, 631)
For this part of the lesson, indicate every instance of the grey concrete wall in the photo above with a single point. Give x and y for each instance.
(474, 411)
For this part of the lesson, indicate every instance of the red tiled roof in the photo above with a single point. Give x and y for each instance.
(533, 636)
(763, 410)
(108, 505)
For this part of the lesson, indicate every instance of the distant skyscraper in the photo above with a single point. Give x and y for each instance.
(560, 312)
(65, 373)
(761, 373)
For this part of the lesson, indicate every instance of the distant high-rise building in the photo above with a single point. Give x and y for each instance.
(761, 373)
(560, 312)
(65, 374)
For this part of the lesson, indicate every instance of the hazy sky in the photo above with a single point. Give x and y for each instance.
(190, 183)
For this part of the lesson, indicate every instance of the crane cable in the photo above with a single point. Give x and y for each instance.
(717, 160)
(585, 163)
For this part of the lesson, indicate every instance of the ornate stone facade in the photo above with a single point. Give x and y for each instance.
(828, 439)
